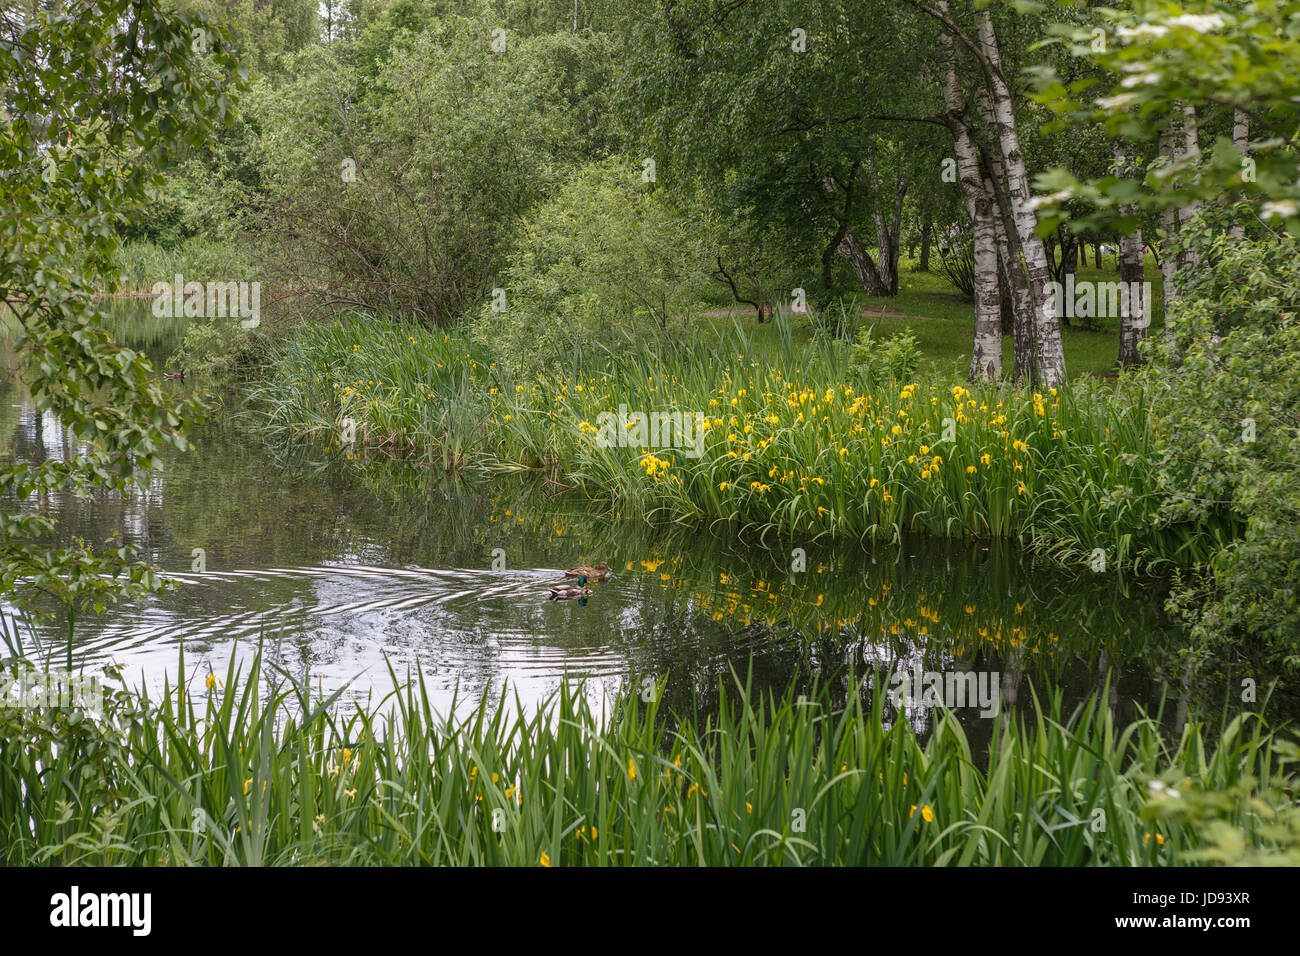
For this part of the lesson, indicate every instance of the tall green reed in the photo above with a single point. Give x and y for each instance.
(796, 440)
(244, 771)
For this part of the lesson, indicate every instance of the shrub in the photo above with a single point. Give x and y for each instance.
(838, 319)
(957, 262)
(605, 263)
(1230, 407)
(402, 195)
(893, 360)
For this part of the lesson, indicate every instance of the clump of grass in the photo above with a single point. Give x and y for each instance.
(393, 386)
(237, 772)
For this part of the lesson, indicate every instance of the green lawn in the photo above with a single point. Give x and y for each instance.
(942, 322)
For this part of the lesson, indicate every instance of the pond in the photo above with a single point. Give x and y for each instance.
(350, 571)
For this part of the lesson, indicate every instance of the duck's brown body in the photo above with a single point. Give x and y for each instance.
(598, 573)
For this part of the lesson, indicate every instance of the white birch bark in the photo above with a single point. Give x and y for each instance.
(1022, 303)
(1191, 153)
(1050, 355)
(1013, 267)
(986, 345)
(1240, 139)
(1134, 321)
(1169, 225)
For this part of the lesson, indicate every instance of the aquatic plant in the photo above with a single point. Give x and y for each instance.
(237, 770)
(793, 440)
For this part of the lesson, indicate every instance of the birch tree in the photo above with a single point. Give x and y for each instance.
(986, 346)
(1164, 70)
(1049, 355)
(1241, 140)
(1135, 318)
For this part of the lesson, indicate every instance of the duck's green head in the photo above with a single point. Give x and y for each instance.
(582, 581)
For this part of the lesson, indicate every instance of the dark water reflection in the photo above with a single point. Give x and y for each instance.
(344, 569)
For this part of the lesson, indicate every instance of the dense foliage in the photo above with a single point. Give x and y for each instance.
(605, 262)
(97, 101)
(402, 191)
(231, 772)
(1232, 414)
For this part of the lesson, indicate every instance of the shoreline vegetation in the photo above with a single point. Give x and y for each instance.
(241, 770)
(802, 443)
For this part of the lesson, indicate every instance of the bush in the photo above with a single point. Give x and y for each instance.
(957, 262)
(606, 263)
(219, 349)
(1230, 379)
(893, 360)
(839, 318)
(401, 195)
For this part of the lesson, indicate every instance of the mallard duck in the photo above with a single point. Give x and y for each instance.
(175, 376)
(567, 592)
(598, 573)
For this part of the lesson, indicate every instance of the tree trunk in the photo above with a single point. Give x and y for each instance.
(1051, 356)
(1069, 260)
(1007, 310)
(1174, 220)
(887, 232)
(1240, 139)
(986, 345)
(1069, 253)
(1191, 151)
(896, 232)
(1133, 320)
(1010, 261)
(1022, 302)
(722, 275)
(846, 245)
(868, 272)
(927, 237)
(1169, 225)
(841, 227)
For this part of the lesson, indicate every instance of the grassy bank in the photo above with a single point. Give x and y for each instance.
(230, 771)
(795, 438)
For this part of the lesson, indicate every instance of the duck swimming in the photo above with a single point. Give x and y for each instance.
(599, 573)
(567, 592)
